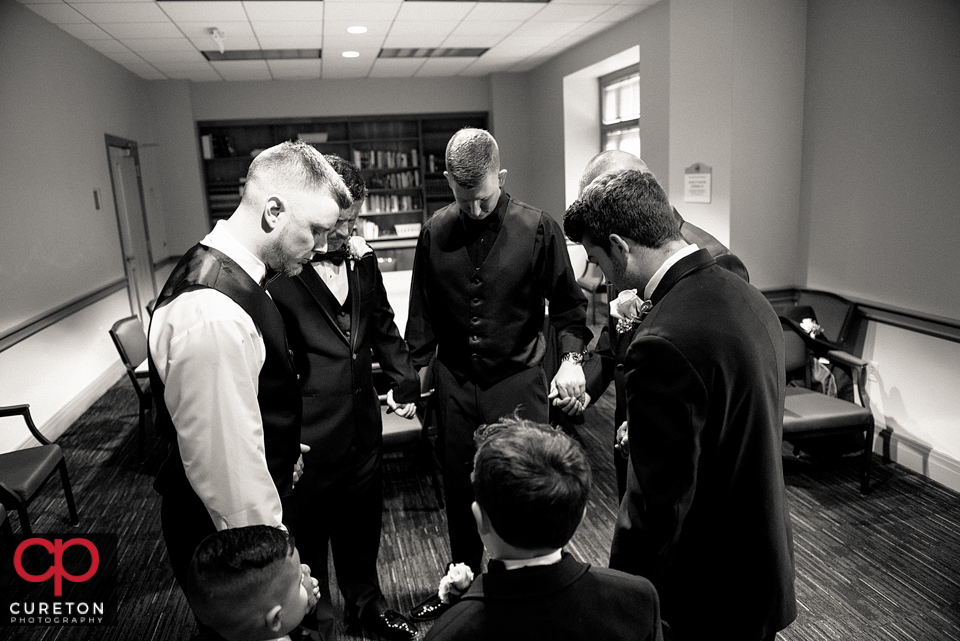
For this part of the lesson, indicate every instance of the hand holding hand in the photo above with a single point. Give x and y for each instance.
(407, 410)
(622, 444)
(569, 382)
(571, 406)
(298, 466)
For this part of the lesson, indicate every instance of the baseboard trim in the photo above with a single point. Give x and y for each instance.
(920, 458)
(57, 424)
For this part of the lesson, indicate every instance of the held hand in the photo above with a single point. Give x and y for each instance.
(622, 444)
(407, 410)
(298, 466)
(572, 406)
(311, 585)
(569, 382)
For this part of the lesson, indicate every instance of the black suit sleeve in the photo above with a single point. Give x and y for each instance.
(667, 409)
(419, 332)
(600, 365)
(388, 347)
(568, 305)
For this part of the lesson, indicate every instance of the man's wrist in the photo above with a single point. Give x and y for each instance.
(573, 357)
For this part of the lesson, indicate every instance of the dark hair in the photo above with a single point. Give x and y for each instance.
(532, 481)
(351, 176)
(470, 154)
(630, 204)
(231, 564)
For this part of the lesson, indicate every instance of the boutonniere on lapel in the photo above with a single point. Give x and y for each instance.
(357, 248)
(455, 583)
(629, 309)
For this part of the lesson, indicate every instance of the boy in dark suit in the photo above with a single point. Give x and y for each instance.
(338, 319)
(705, 513)
(531, 484)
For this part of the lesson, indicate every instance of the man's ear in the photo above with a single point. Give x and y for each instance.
(272, 209)
(502, 177)
(450, 180)
(272, 618)
(483, 521)
(619, 247)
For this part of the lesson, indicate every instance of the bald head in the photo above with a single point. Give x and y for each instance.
(610, 162)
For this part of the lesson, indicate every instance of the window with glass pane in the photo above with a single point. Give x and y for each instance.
(620, 111)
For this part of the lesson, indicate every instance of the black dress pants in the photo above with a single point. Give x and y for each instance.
(343, 513)
(463, 407)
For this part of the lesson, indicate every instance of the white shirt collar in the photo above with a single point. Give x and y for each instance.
(547, 559)
(221, 239)
(667, 264)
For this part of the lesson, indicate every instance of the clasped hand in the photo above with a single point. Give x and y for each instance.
(568, 390)
(407, 410)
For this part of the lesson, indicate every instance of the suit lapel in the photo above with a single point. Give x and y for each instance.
(325, 299)
(353, 286)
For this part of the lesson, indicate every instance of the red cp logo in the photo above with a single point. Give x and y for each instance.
(56, 570)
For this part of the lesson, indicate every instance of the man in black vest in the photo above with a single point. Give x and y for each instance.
(605, 363)
(224, 380)
(483, 267)
(338, 319)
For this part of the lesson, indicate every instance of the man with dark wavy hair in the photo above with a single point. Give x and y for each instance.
(531, 483)
(705, 513)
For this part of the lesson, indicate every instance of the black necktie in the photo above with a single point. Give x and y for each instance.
(336, 257)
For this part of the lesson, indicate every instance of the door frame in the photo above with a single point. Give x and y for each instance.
(131, 147)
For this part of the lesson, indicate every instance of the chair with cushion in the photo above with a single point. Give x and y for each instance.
(24, 472)
(131, 342)
(810, 415)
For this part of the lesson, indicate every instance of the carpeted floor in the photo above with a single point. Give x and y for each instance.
(884, 566)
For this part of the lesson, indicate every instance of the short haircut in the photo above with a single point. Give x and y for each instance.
(350, 175)
(471, 154)
(532, 481)
(609, 162)
(293, 166)
(630, 204)
(234, 567)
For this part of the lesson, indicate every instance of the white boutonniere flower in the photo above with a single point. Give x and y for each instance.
(458, 579)
(358, 248)
(811, 327)
(629, 309)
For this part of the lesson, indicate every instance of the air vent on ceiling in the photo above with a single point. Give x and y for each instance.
(434, 52)
(264, 54)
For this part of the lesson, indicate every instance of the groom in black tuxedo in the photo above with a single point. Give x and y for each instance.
(337, 319)
(705, 515)
(531, 483)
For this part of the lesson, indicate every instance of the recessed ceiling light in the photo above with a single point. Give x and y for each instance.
(351, 54)
(357, 29)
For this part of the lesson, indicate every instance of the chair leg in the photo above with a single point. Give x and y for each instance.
(25, 528)
(71, 506)
(8, 532)
(867, 461)
(142, 429)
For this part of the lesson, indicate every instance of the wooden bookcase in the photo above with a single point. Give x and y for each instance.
(400, 157)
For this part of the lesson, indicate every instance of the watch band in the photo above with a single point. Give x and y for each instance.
(574, 357)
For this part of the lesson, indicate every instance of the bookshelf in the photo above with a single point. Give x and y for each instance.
(400, 158)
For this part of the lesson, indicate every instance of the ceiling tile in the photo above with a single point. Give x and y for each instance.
(159, 44)
(86, 31)
(242, 69)
(101, 1)
(523, 45)
(618, 13)
(396, 67)
(359, 11)
(145, 71)
(196, 73)
(294, 69)
(473, 41)
(435, 67)
(124, 57)
(109, 12)
(535, 29)
(570, 12)
(434, 11)
(336, 67)
(40, 1)
(143, 30)
(281, 11)
(584, 1)
(204, 11)
(471, 27)
(58, 13)
(275, 29)
(375, 28)
(496, 11)
(107, 46)
(233, 32)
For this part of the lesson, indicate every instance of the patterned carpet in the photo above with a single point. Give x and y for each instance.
(884, 566)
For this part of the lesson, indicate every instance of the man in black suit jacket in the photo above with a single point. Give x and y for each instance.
(338, 318)
(531, 484)
(705, 515)
(605, 363)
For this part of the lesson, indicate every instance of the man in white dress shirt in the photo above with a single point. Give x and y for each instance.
(224, 379)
